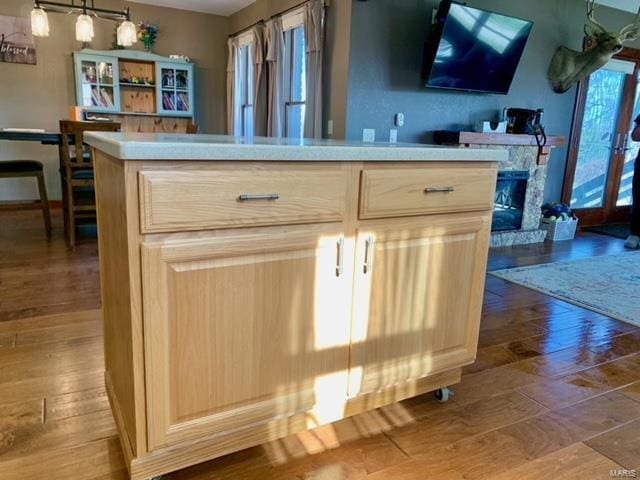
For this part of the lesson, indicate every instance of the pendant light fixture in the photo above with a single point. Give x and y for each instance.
(39, 23)
(84, 28)
(126, 33)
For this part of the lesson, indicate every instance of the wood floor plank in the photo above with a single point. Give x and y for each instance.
(485, 456)
(434, 431)
(585, 384)
(622, 445)
(576, 462)
(31, 435)
(100, 459)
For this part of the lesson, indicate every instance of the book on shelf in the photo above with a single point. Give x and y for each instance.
(107, 101)
(183, 102)
(168, 101)
(101, 98)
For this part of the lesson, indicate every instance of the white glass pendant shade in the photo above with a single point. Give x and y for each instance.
(84, 28)
(39, 23)
(126, 34)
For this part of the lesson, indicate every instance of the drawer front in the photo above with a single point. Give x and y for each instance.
(207, 199)
(392, 192)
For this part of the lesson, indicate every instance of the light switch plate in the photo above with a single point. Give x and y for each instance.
(369, 135)
(329, 127)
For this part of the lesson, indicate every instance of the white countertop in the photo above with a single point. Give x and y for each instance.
(175, 146)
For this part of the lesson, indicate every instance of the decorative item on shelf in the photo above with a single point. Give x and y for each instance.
(147, 34)
(559, 221)
(180, 57)
(125, 33)
(492, 127)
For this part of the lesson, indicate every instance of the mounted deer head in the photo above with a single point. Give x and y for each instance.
(569, 66)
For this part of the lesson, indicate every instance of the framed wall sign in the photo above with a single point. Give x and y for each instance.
(16, 42)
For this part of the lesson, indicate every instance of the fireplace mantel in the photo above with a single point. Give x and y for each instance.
(472, 139)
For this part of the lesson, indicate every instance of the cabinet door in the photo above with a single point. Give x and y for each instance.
(240, 330)
(175, 95)
(417, 297)
(97, 83)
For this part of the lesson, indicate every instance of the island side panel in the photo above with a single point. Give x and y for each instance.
(113, 244)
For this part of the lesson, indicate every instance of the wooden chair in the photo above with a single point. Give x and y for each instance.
(28, 168)
(76, 171)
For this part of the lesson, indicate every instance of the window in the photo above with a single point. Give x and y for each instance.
(244, 87)
(295, 77)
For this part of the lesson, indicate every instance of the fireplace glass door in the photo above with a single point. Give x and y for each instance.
(511, 192)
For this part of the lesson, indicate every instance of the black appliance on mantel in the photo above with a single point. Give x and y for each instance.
(473, 49)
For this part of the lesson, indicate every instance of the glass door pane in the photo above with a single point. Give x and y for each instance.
(105, 73)
(630, 154)
(597, 139)
(89, 72)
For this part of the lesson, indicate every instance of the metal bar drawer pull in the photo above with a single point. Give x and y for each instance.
(267, 196)
(439, 190)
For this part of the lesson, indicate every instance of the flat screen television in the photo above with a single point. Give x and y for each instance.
(473, 49)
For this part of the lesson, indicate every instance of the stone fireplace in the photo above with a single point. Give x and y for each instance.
(518, 204)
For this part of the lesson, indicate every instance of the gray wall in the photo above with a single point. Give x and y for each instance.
(386, 58)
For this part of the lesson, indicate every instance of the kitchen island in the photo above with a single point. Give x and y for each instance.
(252, 289)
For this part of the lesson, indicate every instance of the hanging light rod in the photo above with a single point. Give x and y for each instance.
(82, 7)
(126, 33)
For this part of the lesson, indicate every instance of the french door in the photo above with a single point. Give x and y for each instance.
(601, 155)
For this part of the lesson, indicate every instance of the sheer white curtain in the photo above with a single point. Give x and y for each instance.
(232, 104)
(260, 109)
(314, 36)
(274, 41)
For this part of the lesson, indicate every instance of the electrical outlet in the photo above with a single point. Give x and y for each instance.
(330, 127)
(399, 120)
(369, 135)
(393, 135)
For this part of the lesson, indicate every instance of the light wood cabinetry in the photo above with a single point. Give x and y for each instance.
(418, 289)
(240, 327)
(231, 322)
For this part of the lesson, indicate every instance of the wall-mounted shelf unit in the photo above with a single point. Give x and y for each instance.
(117, 84)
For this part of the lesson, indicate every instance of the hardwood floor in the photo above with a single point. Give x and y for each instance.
(555, 392)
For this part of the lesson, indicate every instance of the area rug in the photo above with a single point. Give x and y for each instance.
(617, 230)
(609, 284)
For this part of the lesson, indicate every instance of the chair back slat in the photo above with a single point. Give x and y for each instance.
(74, 151)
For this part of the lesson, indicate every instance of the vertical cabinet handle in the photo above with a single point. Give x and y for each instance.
(340, 257)
(368, 252)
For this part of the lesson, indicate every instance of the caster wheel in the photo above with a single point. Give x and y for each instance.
(443, 394)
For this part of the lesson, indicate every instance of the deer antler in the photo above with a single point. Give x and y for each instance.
(591, 19)
(632, 31)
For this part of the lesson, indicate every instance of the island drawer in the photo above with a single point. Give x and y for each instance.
(184, 200)
(398, 192)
